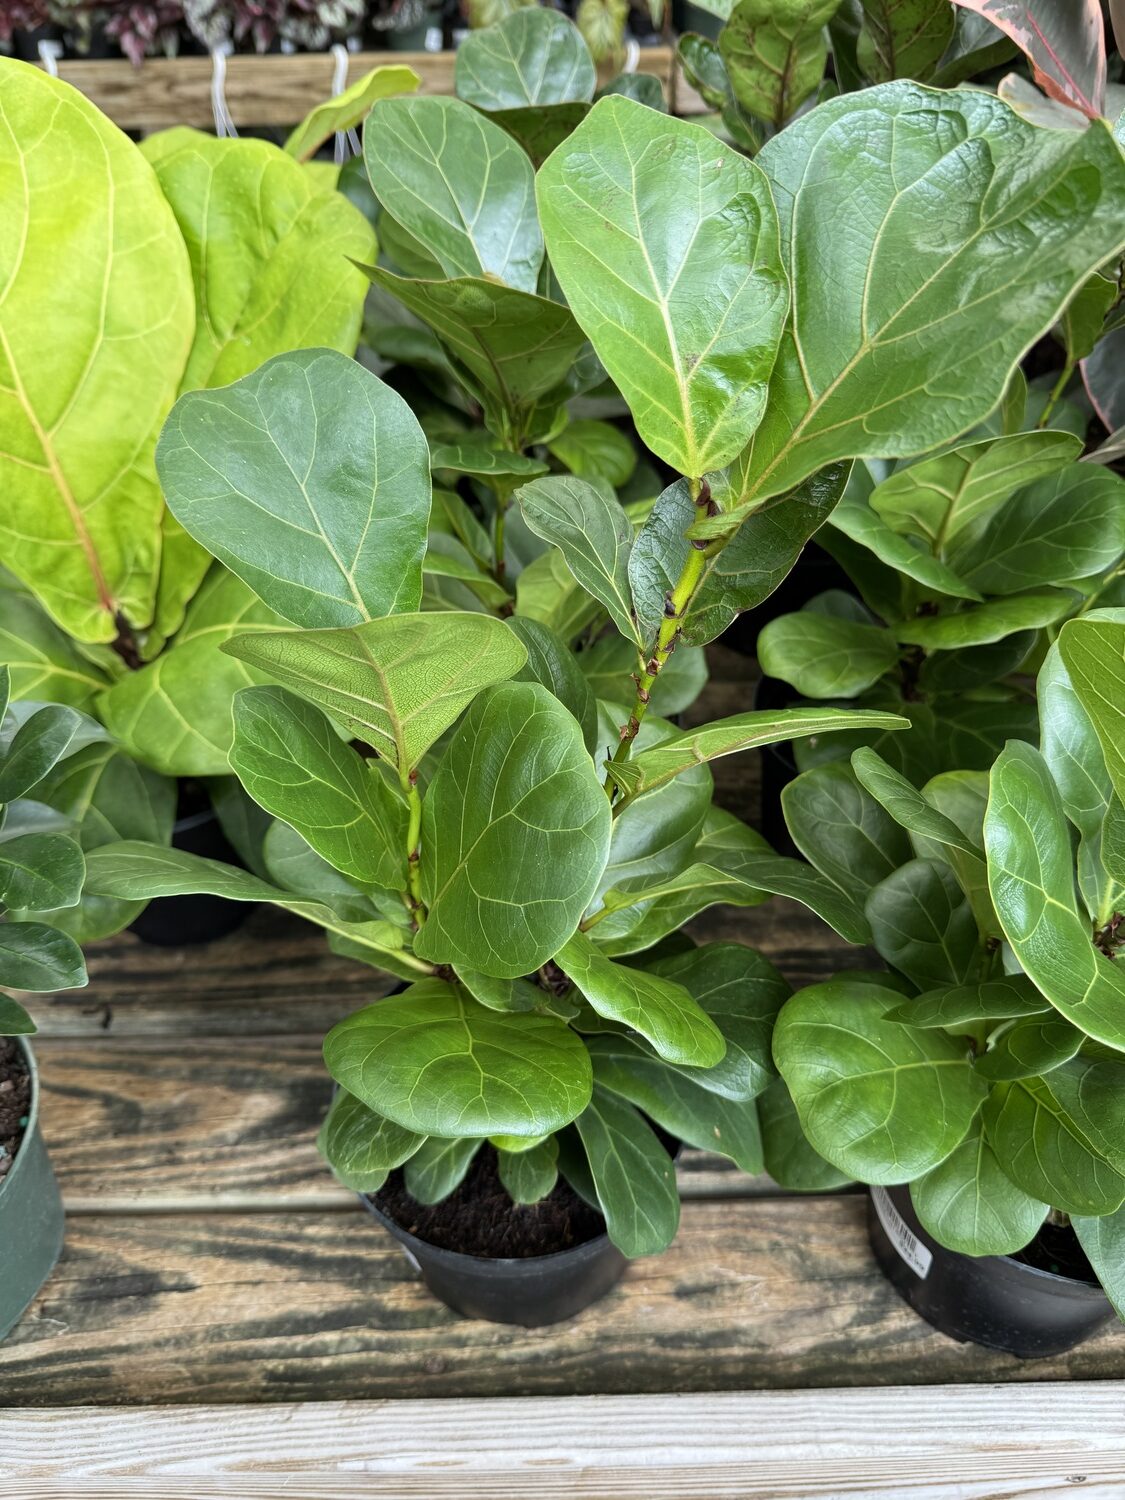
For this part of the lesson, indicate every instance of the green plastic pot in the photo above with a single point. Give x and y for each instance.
(31, 1216)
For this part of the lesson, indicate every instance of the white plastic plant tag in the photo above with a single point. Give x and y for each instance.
(908, 1245)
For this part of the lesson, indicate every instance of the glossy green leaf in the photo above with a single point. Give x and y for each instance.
(908, 806)
(362, 1147)
(174, 714)
(347, 109)
(1031, 877)
(310, 479)
(1103, 1240)
(823, 657)
(742, 993)
(1050, 1133)
(31, 745)
(40, 871)
(515, 835)
(1083, 316)
(1093, 652)
(865, 526)
(45, 664)
(459, 184)
(775, 54)
(980, 624)
(532, 56)
(396, 683)
(488, 463)
(687, 326)
(651, 768)
(922, 923)
(289, 861)
(842, 829)
(633, 1175)
(87, 377)
(595, 450)
(437, 1167)
(530, 1175)
(704, 69)
(14, 1020)
(969, 1204)
(269, 247)
(595, 537)
(293, 763)
(550, 662)
(1030, 1046)
(903, 38)
(39, 958)
(961, 1006)
(686, 1110)
(884, 355)
(787, 1155)
(881, 1101)
(608, 666)
(439, 1064)
(662, 1011)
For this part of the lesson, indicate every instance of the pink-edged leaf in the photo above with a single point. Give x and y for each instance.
(1104, 374)
(1064, 41)
(1033, 105)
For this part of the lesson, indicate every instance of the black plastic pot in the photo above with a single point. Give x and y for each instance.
(532, 1291)
(31, 1216)
(171, 921)
(992, 1300)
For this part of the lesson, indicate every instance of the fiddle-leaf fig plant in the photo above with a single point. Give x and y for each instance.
(451, 800)
(986, 1067)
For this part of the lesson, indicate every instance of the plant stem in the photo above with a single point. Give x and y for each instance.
(498, 566)
(413, 893)
(1056, 391)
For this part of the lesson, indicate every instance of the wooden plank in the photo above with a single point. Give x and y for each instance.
(272, 90)
(1003, 1443)
(135, 1125)
(223, 1308)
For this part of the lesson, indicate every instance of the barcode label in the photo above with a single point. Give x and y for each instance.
(908, 1245)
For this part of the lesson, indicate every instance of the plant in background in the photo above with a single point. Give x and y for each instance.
(992, 1078)
(493, 840)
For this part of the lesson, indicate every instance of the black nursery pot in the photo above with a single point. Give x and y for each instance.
(994, 1300)
(533, 1291)
(171, 921)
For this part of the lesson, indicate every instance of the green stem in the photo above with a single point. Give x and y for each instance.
(413, 893)
(498, 566)
(1056, 391)
(1091, 600)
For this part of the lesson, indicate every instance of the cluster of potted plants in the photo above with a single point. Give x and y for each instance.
(421, 622)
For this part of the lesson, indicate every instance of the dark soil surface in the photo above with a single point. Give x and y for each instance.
(479, 1218)
(15, 1102)
(1056, 1249)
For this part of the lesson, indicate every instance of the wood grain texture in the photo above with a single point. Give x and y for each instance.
(272, 90)
(135, 1125)
(323, 1306)
(769, 1444)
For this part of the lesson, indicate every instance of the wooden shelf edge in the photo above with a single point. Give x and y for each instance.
(978, 1443)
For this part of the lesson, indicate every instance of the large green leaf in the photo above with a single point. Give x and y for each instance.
(437, 1167)
(550, 662)
(397, 683)
(44, 663)
(823, 656)
(884, 353)
(34, 957)
(31, 743)
(662, 1011)
(956, 491)
(881, 1101)
(788, 1157)
(1031, 877)
(688, 321)
(515, 835)
(346, 110)
(866, 527)
(362, 1147)
(310, 479)
(1030, 1046)
(438, 1063)
(594, 535)
(532, 56)
(775, 54)
(651, 768)
(459, 184)
(981, 624)
(270, 252)
(908, 806)
(292, 762)
(685, 1109)
(40, 871)
(960, 1007)
(903, 38)
(1103, 1240)
(922, 923)
(1094, 654)
(1050, 1134)
(86, 377)
(969, 1204)
(175, 713)
(633, 1175)
(842, 829)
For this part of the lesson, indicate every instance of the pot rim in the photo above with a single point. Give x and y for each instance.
(32, 1115)
(1077, 1284)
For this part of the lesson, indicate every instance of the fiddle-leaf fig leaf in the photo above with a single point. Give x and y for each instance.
(40, 871)
(687, 322)
(903, 38)
(310, 479)
(515, 835)
(634, 1176)
(361, 1146)
(923, 924)
(969, 1204)
(435, 1062)
(775, 54)
(1093, 652)
(532, 57)
(348, 109)
(38, 958)
(881, 363)
(87, 377)
(397, 683)
(823, 656)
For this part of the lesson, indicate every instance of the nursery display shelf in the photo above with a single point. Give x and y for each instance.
(280, 90)
(226, 1321)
